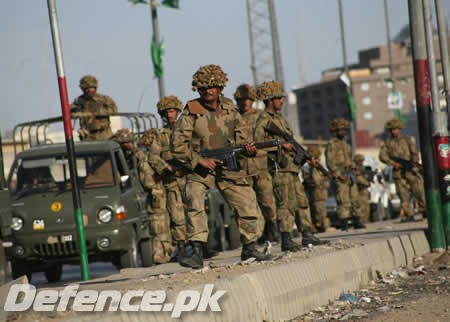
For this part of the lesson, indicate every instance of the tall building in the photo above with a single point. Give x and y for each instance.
(377, 86)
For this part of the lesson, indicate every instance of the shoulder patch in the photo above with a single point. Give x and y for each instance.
(195, 107)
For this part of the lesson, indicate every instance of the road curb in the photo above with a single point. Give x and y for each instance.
(282, 292)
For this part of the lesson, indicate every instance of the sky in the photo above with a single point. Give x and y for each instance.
(111, 40)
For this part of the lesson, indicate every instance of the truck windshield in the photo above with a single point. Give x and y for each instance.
(51, 174)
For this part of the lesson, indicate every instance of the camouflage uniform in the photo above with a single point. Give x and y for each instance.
(339, 159)
(202, 127)
(319, 184)
(289, 193)
(174, 184)
(156, 205)
(363, 188)
(256, 167)
(91, 127)
(405, 180)
(142, 171)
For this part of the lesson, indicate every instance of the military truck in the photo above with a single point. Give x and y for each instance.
(43, 225)
(5, 220)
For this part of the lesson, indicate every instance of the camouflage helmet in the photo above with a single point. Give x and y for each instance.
(315, 151)
(168, 102)
(269, 90)
(123, 136)
(359, 158)
(146, 138)
(339, 124)
(88, 81)
(245, 91)
(395, 123)
(209, 76)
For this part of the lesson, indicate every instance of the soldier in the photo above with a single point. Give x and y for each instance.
(319, 184)
(173, 179)
(406, 178)
(363, 188)
(289, 193)
(339, 161)
(93, 109)
(126, 141)
(211, 122)
(258, 174)
(156, 205)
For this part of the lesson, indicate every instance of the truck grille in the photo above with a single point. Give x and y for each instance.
(57, 249)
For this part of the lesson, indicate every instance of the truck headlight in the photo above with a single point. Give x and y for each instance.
(104, 215)
(17, 223)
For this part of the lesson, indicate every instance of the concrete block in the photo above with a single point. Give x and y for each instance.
(397, 251)
(408, 248)
(4, 290)
(419, 242)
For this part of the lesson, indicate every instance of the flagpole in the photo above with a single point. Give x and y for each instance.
(154, 14)
(349, 87)
(76, 198)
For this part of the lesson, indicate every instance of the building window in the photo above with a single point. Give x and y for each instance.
(383, 70)
(365, 86)
(367, 116)
(366, 100)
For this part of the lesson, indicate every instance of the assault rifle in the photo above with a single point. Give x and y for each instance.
(405, 164)
(229, 156)
(301, 155)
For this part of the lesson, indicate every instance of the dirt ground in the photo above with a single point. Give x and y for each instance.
(418, 294)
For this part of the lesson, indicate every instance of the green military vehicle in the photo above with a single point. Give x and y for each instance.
(43, 224)
(5, 220)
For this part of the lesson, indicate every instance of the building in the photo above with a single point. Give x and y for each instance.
(378, 87)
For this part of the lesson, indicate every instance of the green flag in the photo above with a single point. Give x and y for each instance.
(351, 105)
(157, 52)
(138, 1)
(171, 3)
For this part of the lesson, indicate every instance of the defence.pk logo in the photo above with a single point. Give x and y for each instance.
(22, 297)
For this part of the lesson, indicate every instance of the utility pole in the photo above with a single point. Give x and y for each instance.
(265, 51)
(388, 41)
(443, 161)
(422, 89)
(64, 97)
(157, 42)
(347, 74)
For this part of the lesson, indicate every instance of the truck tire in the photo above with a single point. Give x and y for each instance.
(53, 273)
(146, 250)
(129, 258)
(19, 268)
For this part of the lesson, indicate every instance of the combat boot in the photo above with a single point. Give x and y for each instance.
(194, 261)
(249, 251)
(287, 244)
(344, 224)
(357, 224)
(273, 234)
(181, 249)
(310, 238)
